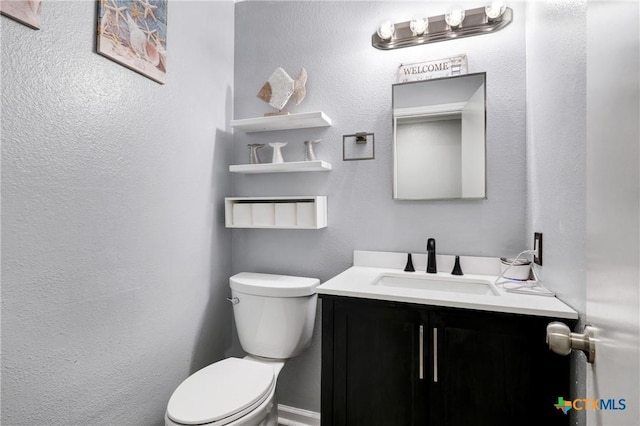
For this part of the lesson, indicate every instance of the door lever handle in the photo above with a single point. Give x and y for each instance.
(562, 341)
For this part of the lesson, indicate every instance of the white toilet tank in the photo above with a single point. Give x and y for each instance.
(274, 314)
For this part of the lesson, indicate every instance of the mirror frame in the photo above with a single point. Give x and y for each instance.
(394, 147)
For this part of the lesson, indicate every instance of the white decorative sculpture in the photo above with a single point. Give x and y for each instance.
(277, 151)
(280, 87)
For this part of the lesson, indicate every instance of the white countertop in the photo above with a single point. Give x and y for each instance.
(357, 282)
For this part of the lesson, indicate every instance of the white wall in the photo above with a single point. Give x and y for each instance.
(351, 82)
(114, 256)
(556, 134)
(556, 151)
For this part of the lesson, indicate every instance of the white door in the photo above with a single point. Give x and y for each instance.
(613, 210)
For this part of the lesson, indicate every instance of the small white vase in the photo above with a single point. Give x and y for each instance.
(254, 147)
(309, 154)
(277, 151)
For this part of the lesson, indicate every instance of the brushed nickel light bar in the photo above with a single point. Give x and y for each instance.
(457, 23)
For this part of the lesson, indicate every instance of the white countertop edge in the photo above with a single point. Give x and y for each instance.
(355, 282)
(461, 305)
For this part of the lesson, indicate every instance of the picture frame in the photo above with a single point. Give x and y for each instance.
(133, 33)
(27, 12)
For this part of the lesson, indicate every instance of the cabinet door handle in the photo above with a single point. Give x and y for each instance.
(435, 355)
(421, 353)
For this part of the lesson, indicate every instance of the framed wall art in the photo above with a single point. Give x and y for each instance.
(26, 12)
(134, 34)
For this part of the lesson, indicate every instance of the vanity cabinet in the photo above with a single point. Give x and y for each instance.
(387, 363)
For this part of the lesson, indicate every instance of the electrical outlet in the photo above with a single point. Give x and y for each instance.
(537, 246)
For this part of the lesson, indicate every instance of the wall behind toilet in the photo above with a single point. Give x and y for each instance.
(351, 82)
(115, 259)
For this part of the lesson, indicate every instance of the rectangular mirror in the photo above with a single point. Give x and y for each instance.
(439, 129)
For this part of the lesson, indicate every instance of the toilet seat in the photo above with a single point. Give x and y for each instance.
(221, 393)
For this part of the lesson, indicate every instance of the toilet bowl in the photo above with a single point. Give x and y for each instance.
(274, 317)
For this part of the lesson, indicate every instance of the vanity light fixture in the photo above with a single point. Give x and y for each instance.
(457, 23)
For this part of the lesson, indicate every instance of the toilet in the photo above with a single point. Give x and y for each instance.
(274, 316)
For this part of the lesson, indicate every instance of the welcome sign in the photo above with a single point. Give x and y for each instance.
(447, 67)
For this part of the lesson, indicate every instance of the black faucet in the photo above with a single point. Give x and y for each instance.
(431, 256)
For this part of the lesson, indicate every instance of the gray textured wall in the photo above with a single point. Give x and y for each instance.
(556, 153)
(115, 258)
(351, 82)
(556, 135)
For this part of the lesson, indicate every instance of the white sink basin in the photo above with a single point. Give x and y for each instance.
(436, 283)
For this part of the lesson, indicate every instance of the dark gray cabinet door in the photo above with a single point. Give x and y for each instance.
(375, 366)
(495, 369)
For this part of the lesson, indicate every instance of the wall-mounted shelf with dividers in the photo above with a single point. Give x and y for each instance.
(303, 120)
(292, 166)
(304, 212)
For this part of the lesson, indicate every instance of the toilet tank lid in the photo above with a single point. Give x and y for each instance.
(273, 285)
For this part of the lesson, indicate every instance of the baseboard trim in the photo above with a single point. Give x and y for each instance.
(291, 416)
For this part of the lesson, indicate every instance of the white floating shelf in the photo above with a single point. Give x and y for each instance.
(293, 166)
(301, 120)
(305, 212)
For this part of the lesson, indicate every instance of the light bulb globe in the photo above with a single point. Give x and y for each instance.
(454, 17)
(386, 30)
(418, 26)
(495, 9)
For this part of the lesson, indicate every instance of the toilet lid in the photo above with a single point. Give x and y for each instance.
(219, 391)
